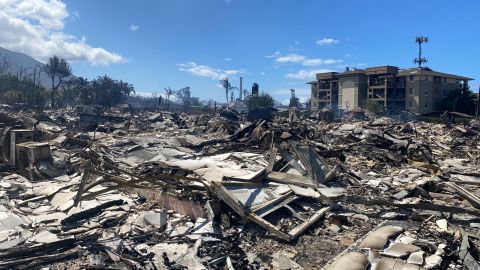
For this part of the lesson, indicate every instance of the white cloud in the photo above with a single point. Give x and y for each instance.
(228, 1)
(358, 65)
(133, 27)
(316, 62)
(305, 74)
(274, 55)
(35, 27)
(327, 41)
(312, 62)
(227, 59)
(206, 71)
(297, 58)
(262, 73)
(290, 58)
(332, 61)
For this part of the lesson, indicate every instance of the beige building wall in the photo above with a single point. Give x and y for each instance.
(352, 92)
(424, 95)
(348, 99)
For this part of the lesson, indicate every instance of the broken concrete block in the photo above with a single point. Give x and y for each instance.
(157, 219)
(349, 261)
(416, 258)
(432, 261)
(43, 237)
(281, 261)
(400, 250)
(378, 238)
(400, 195)
(181, 254)
(10, 221)
(442, 224)
(385, 263)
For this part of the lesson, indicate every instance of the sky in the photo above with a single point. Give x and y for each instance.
(279, 44)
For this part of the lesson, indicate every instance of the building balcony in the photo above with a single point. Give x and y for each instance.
(381, 84)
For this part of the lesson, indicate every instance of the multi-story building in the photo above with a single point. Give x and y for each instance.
(418, 90)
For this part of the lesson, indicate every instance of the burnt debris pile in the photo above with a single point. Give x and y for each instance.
(96, 188)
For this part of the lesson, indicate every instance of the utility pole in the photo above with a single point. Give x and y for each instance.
(241, 88)
(420, 60)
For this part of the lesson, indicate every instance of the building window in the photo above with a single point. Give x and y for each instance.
(445, 79)
(411, 91)
(410, 104)
(412, 78)
(426, 78)
(444, 92)
(426, 104)
(426, 92)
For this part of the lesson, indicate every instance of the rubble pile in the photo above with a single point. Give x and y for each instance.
(114, 188)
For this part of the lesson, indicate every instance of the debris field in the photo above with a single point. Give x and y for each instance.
(96, 188)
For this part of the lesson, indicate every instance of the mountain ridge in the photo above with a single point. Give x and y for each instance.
(18, 61)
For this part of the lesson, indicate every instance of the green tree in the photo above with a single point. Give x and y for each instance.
(57, 69)
(109, 92)
(263, 100)
(195, 101)
(69, 93)
(374, 106)
(85, 94)
(12, 96)
(21, 89)
(461, 100)
(184, 96)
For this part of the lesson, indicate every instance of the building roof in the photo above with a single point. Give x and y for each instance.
(354, 71)
(326, 75)
(388, 70)
(428, 71)
(382, 70)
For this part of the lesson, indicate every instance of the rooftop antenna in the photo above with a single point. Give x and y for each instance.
(420, 60)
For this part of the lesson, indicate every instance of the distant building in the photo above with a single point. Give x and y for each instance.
(418, 90)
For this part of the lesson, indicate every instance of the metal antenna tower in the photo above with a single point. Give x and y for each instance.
(420, 60)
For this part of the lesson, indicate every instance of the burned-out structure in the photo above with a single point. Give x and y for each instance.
(419, 90)
(125, 189)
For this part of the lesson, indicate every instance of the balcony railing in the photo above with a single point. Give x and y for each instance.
(381, 84)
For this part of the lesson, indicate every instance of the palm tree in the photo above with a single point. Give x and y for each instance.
(57, 68)
(226, 85)
(168, 93)
(126, 89)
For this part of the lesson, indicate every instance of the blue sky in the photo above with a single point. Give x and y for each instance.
(279, 44)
